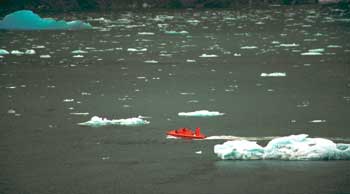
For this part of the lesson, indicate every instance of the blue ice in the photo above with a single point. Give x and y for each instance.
(27, 20)
(293, 147)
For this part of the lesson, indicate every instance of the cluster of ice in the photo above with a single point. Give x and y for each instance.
(4, 52)
(27, 20)
(200, 113)
(207, 56)
(17, 52)
(313, 52)
(293, 147)
(274, 74)
(96, 121)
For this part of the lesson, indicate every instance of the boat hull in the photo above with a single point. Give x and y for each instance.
(185, 133)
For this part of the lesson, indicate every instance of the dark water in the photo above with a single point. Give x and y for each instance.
(43, 150)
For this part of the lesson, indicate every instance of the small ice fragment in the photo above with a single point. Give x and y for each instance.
(105, 158)
(45, 56)
(79, 113)
(199, 152)
(237, 54)
(68, 100)
(249, 47)
(30, 52)
(17, 52)
(318, 121)
(146, 33)
(200, 113)
(11, 111)
(78, 56)
(274, 74)
(176, 32)
(79, 52)
(289, 45)
(190, 61)
(4, 52)
(207, 56)
(98, 122)
(151, 61)
(137, 50)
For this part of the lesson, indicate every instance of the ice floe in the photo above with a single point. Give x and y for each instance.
(4, 52)
(200, 113)
(96, 121)
(249, 47)
(293, 147)
(274, 74)
(27, 20)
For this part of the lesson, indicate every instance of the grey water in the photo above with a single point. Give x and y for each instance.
(151, 63)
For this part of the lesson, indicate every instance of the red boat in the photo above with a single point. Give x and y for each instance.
(187, 133)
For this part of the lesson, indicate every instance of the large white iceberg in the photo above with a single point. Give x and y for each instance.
(27, 20)
(294, 147)
(96, 121)
(200, 113)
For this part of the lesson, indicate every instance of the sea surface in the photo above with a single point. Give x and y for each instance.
(273, 72)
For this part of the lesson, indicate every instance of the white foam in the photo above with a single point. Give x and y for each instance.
(96, 121)
(274, 74)
(200, 113)
(294, 147)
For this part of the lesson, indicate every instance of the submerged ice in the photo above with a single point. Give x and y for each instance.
(96, 121)
(293, 147)
(27, 20)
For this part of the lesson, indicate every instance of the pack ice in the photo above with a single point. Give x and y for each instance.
(27, 20)
(293, 147)
(96, 121)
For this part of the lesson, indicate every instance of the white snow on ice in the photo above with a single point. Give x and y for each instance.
(293, 147)
(96, 121)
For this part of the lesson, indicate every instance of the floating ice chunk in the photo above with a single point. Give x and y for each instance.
(27, 20)
(318, 121)
(151, 61)
(11, 111)
(199, 152)
(137, 50)
(289, 45)
(313, 52)
(79, 113)
(68, 100)
(176, 32)
(78, 56)
(190, 61)
(79, 52)
(294, 147)
(207, 56)
(249, 47)
(45, 56)
(200, 113)
(30, 52)
(334, 46)
(98, 122)
(146, 33)
(274, 74)
(4, 52)
(17, 52)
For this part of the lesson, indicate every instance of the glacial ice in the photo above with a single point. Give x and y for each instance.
(293, 147)
(200, 113)
(96, 121)
(27, 20)
(4, 52)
